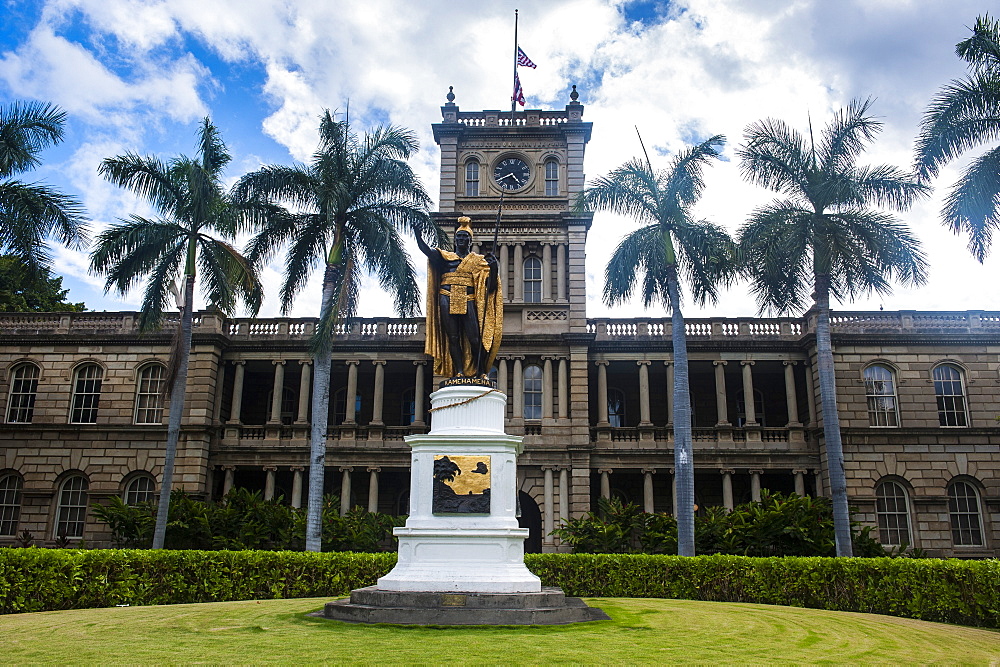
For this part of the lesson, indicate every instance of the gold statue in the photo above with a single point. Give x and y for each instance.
(464, 307)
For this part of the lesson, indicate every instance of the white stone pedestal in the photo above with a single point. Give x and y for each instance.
(463, 552)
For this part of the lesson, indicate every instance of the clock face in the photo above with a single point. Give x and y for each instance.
(511, 174)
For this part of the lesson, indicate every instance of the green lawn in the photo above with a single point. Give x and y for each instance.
(641, 631)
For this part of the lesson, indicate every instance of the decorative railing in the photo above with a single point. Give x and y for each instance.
(495, 118)
(604, 329)
(699, 434)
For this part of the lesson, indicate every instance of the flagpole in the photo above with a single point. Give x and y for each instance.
(513, 102)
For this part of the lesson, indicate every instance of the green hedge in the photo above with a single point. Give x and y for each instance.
(954, 591)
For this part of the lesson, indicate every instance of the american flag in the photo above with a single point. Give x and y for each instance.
(523, 60)
(518, 95)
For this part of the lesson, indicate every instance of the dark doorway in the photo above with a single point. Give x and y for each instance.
(531, 518)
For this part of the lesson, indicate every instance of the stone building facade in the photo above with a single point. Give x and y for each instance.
(919, 392)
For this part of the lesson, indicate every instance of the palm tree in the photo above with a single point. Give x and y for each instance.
(189, 196)
(30, 213)
(825, 239)
(352, 200)
(669, 245)
(963, 115)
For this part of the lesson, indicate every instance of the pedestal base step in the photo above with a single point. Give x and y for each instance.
(376, 605)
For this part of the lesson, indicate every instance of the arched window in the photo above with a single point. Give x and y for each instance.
(86, 394)
(949, 389)
(532, 280)
(72, 510)
(149, 394)
(472, 178)
(10, 503)
(616, 407)
(140, 489)
(892, 510)
(880, 388)
(532, 392)
(966, 518)
(340, 409)
(551, 178)
(23, 387)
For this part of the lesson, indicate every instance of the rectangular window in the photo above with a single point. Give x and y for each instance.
(149, 395)
(23, 387)
(551, 178)
(86, 394)
(472, 179)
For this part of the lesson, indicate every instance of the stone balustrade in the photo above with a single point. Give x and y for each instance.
(604, 329)
(497, 118)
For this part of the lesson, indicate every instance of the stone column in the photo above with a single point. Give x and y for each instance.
(810, 397)
(518, 389)
(269, 482)
(564, 494)
(749, 402)
(373, 489)
(378, 398)
(297, 486)
(602, 393)
(670, 391)
(547, 388)
(563, 389)
(548, 510)
(755, 485)
(647, 490)
(790, 398)
(727, 488)
(278, 388)
(546, 273)
(418, 394)
(673, 492)
(305, 384)
(721, 407)
(237, 404)
(345, 489)
(504, 270)
(227, 482)
(518, 272)
(800, 482)
(644, 393)
(819, 482)
(605, 482)
(502, 384)
(350, 395)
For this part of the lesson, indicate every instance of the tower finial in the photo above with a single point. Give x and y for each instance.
(574, 96)
(451, 94)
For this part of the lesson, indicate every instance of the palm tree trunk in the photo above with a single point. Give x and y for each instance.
(831, 420)
(320, 417)
(683, 452)
(178, 389)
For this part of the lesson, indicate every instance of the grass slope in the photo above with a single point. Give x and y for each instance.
(642, 631)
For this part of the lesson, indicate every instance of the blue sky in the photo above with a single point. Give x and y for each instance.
(139, 75)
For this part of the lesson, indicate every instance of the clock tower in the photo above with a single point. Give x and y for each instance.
(534, 158)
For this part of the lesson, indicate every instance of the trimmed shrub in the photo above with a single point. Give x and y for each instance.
(953, 591)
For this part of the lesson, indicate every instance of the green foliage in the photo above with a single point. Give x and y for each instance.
(950, 591)
(23, 291)
(778, 525)
(953, 591)
(244, 520)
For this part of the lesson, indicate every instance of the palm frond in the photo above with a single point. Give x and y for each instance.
(707, 258)
(163, 274)
(685, 180)
(126, 252)
(775, 250)
(382, 253)
(845, 137)
(31, 213)
(629, 190)
(211, 148)
(292, 186)
(227, 276)
(26, 128)
(973, 204)
(774, 156)
(963, 115)
(883, 185)
(982, 49)
(640, 253)
(147, 177)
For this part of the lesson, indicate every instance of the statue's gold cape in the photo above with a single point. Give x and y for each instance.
(489, 308)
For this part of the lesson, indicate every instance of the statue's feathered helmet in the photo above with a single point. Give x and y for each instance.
(465, 225)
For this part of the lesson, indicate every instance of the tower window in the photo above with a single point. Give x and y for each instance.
(472, 178)
(532, 280)
(551, 178)
(532, 392)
